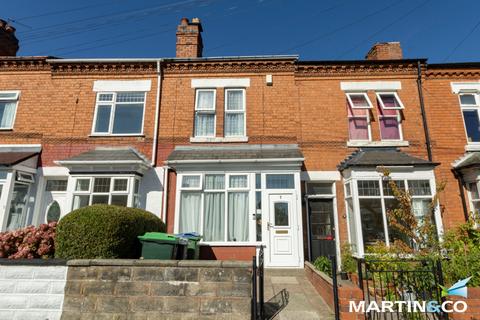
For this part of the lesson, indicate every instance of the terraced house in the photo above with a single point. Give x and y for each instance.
(247, 151)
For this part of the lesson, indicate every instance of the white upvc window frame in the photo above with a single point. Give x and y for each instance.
(235, 174)
(14, 98)
(130, 192)
(398, 115)
(469, 107)
(377, 176)
(359, 93)
(200, 183)
(243, 111)
(199, 111)
(112, 103)
(395, 94)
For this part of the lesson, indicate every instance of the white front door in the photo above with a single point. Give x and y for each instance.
(54, 204)
(282, 230)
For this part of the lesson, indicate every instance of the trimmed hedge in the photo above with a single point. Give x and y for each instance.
(104, 232)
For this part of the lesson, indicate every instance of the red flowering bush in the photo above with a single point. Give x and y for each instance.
(29, 243)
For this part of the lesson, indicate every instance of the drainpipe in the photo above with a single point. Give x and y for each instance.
(157, 112)
(165, 193)
(422, 108)
(461, 183)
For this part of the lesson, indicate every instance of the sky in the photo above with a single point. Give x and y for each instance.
(440, 30)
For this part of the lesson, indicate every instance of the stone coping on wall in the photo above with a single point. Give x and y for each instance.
(160, 263)
(32, 262)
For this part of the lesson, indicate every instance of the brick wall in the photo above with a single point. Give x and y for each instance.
(473, 303)
(157, 289)
(31, 291)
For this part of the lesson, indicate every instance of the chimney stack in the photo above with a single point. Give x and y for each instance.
(8, 40)
(189, 39)
(385, 51)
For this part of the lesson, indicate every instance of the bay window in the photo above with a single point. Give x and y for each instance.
(474, 199)
(469, 104)
(234, 112)
(205, 113)
(371, 201)
(105, 190)
(119, 113)
(8, 108)
(216, 206)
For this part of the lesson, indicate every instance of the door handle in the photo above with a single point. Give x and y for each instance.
(269, 225)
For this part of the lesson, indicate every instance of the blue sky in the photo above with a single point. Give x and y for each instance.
(441, 30)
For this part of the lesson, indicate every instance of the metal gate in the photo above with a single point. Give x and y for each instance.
(413, 283)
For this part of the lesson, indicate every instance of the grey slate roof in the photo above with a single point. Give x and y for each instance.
(233, 152)
(108, 154)
(468, 160)
(373, 157)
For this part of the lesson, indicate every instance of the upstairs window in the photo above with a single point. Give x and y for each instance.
(358, 105)
(119, 113)
(234, 113)
(389, 116)
(205, 113)
(8, 108)
(470, 109)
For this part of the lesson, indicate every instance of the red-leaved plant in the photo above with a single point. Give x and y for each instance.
(29, 243)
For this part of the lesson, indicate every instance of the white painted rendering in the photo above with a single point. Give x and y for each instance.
(320, 176)
(380, 144)
(151, 190)
(32, 292)
(221, 83)
(370, 85)
(122, 85)
(458, 87)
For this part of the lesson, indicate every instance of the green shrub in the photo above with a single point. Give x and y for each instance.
(323, 264)
(349, 264)
(104, 232)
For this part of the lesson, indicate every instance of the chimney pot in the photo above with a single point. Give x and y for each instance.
(385, 51)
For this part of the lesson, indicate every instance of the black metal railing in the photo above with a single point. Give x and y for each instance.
(404, 281)
(258, 285)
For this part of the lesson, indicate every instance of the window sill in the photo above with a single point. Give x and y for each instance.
(116, 135)
(355, 144)
(217, 139)
(6, 129)
(472, 147)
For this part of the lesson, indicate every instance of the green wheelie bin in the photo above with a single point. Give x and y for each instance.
(158, 245)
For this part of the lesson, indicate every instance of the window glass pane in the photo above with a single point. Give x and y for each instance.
(389, 100)
(358, 128)
(258, 200)
(105, 97)
(100, 199)
(214, 216)
(359, 100)
(280, 181)
(204, 125)
(419, 187)
(238, 216)
(372, 220)
(389, 128)
(189, 218)
(128, 118)
(8, 95)
(235, 100)
(56, 185)
(319, 188)
(191, 182)
(17, 217)
(7, 113)
(1, 189)
(53, 213)
(136, 186)
(421, 209)
(321, 218)
(103, 118)
(120, 184)
(101, 185)
(234, 124)
(387, 190)
(205, 100)
(238, 181)
(348, 189)
(3, 175)
(368, 188)
(82, 185)
(467, 99)
(352, 226)
(393, 234)
(130, 97)
(472, 125)
(474, 191)
(80, 201)
(214, 181)
(119, 200)
(258, 181)
(281, 213)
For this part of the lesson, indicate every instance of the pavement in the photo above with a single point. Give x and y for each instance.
(292, 287)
